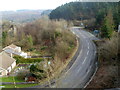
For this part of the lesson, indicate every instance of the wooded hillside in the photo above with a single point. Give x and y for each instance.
(87, 11)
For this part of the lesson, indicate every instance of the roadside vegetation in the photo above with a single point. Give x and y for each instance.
(105, 18)
(20, 59)
(11, 79)
(108, 56)
(18, 85)
(45, 40)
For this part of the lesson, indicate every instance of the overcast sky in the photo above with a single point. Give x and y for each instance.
(30, 4)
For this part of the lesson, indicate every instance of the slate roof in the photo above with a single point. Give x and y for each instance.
(10, 46)
(6, 60)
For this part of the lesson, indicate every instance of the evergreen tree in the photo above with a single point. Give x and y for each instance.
(30, 41)
(4, 38)
(108, 25)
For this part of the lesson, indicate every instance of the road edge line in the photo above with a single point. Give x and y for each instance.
(91, 77)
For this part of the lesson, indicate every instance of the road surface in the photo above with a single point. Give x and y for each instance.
(85, 64)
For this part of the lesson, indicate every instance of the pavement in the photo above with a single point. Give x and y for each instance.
(85, 64)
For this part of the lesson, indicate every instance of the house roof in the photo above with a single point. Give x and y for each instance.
(10, 46)
(13, 46)
(5, 60)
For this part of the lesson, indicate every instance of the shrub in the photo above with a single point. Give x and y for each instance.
(21, 74)
(20, 59)
(38, 72)
(43, 48)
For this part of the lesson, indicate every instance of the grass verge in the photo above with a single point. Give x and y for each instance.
(10, 79)
(18, 85)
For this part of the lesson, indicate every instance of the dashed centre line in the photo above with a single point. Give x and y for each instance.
(88, 71)
(87, 52)
(84, 60)
(79, 70)
(88, 47)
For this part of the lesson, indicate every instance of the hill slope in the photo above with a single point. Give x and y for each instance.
(86, 11)
(21, 15)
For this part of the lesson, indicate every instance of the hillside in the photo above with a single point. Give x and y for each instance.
(46, 12)
(86, 11)
(21, 16)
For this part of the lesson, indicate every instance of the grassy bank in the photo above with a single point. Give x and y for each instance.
(19, 85)
(107, 74)
(10, 79)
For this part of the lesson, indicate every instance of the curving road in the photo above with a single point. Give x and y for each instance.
(85, 64)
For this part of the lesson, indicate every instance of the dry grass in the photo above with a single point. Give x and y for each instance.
(106, 76)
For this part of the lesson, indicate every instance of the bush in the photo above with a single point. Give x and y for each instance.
(43, 48)
(109, 49)
(20, 59)
(51, 36)
(31, 49)
(38, 72)
(21, 74)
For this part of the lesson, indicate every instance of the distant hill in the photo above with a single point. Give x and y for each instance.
(21, 16)
(46, 12)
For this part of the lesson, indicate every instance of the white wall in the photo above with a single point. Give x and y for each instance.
(13, 64)
(9, 69)
(4, 72)
(23, 55)
(18, 49)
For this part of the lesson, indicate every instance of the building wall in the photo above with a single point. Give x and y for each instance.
(3, 72)
(9, 69)
(18, 49)
(23, 55)
(13, 64)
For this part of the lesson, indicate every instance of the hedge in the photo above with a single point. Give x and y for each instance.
(20, 59)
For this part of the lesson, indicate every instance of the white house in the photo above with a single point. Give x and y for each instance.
(7, 63)
(14, 50)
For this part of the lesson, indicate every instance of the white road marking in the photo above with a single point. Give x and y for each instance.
(90, 67)
(79, 54)
(77, 36)
(91, 78)
(75, 60)
(87, 52)
(95, 52)
(84, 60)
(78, 70)
(88, 71)
(88, 47)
